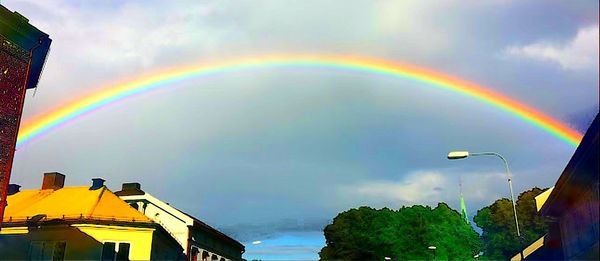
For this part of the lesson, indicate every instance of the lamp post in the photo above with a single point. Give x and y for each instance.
(463, 154)
(433, 248)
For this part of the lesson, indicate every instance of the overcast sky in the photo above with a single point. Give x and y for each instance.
(274, 154)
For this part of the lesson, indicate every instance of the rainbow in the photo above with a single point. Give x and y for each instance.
(44, 123)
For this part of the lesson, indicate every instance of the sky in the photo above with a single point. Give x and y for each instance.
(272, 155)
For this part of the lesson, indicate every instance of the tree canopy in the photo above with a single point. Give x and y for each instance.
(499, 231)
(373, 234)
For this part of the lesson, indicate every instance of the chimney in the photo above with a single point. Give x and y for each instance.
(129, 189)
(13, 189)
(97, 183)
(53, 180)
(131, 186)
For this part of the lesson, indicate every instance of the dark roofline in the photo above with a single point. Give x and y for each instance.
(17, 30)
(214, 231)
(131, 191)
(73, 221)
(589, 144)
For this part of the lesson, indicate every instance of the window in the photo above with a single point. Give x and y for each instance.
(194, 254)
(44, 250)
(113, 251)
(123, 253)
(36, 250)
(108, 251)
(59, 251)
(135, 205)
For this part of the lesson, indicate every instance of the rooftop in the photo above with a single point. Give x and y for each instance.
(70, 203)
(580, 172)
(133, 190)
(15, 28)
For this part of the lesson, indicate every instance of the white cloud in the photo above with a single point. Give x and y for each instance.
(428, 187)
(415, 188)
(129, 34)
(581, 52)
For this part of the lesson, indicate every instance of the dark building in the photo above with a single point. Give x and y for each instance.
(571, 208)
(23, 50)
(200, 241)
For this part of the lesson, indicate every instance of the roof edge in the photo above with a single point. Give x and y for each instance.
(217, 232)
(17, 30)
(588, 143)
(68, 221)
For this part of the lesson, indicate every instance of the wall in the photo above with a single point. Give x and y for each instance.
(14, 244)
(171, 219)
(208, 241)
(175, 226)
(13, 73)
(579, 224)
(165, 248)
(178, 224)
(140, 239)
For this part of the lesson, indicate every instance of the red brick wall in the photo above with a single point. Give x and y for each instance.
(13, 73)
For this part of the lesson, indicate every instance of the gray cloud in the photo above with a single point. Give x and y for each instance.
(247, 232)
(272, 151)
(285, 251)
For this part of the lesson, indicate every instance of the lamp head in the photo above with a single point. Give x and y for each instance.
(458, 155)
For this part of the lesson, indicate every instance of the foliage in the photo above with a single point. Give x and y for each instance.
(373, 234)
(498, 225)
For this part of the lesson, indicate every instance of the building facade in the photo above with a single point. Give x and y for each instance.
(79, 223)
(571, 207)
(199, 240)
(23, 50)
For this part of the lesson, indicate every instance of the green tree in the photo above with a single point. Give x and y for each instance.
(499, 232)
(372, 234)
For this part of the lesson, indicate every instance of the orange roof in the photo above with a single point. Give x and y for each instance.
(71, 203)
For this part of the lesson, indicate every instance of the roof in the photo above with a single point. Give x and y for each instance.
(201, 225)
(16, 29)
(530, 249)
(580, 172)
(71, 203)
(137, 193)
(540, 199)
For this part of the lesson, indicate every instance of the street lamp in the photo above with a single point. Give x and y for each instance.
(433, 248)
(453, 155)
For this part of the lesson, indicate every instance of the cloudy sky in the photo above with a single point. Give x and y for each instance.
(274, 154)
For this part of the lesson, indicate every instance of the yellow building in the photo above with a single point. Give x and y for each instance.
(79, 223)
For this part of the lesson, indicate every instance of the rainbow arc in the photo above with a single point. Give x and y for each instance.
(112, 93)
